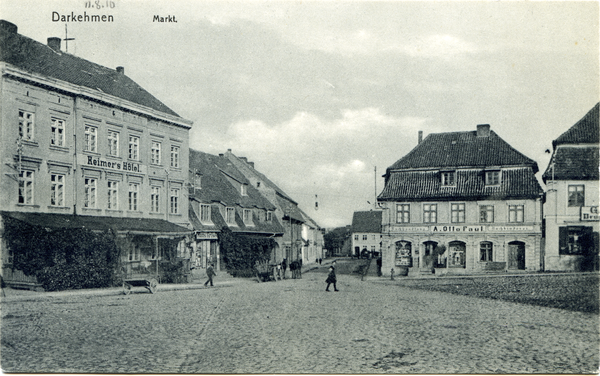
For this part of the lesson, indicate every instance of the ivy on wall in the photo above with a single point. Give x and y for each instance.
(241, 252)
(64, 258)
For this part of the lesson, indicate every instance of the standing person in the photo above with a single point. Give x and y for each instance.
(293, 269)
(379, 267)
(283, 267)
(331, 279)
(320, 259)
(210, 273)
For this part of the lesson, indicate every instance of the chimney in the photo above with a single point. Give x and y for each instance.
(483, 130)
(121, 70)
(251, 164)
(54, 43)
(221, 155)
(8, 27)
(420, 137)
(244, 159)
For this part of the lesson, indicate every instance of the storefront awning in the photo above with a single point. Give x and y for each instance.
(145, 226)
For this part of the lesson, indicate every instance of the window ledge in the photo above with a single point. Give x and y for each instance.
(59, 208)
(62, 149)
(30, 143)
(114, 211)
(28, 206)
(96, 210)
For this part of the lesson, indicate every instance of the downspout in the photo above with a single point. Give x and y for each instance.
(75, 155)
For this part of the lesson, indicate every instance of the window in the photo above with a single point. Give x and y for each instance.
(515, 213)
(576, 240)
(403, 213)
(57, 132)
(429, 213)
(486, 251)
(134, 253)
(113, 143)
(205, 213)
(174, 156)
(89, 199)
(243, 190)
(486, 214)
(26, 125)
(449, 178)
(90, 138)
(365, 237)
(134, 148)
(155, 158)
(230, 216)
(576, 195)
(372, 249)
(492, 177)
(10, 256)
(133, 196)
(155, 199)
(355, 237)
(269, 216)
(26, 187)
(174, 199)
(457, 213)
(247, 216)
(113, 195)
(198, 181)
(57, 190)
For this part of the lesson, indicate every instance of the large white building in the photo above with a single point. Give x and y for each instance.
(85, 146)
(571, 207)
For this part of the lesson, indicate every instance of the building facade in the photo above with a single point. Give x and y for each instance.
(571, 204)
(366, 233)
(464, 202)
(82, 140)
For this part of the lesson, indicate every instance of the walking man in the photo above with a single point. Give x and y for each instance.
(210, 273)
(331, 279)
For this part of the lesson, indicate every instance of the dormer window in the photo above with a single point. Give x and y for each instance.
(492, 177)
(269, 216)
(198, 181)
(448, 178)
(205, 213)
(244, 190)
(230, 216)
(247, 216)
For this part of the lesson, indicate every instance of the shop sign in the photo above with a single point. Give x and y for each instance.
(509, 228)
(589, 213)
(411, 228)
(457, 228)
(92, 161)
(206, 236)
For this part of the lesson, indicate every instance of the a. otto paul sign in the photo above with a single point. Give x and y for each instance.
(458, 228)
(120, 166)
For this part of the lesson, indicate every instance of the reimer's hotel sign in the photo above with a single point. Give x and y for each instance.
(122, 166)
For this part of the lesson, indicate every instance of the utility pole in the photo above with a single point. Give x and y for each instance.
(67, 39)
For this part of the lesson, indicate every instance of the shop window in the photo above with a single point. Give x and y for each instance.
(575, 240)
(89, 138)
(486, 251)
(89, 198)
(134, 254)
(457, 254)
(576, 195)
(429, 213)
(26, 185)
(457, 212)
(113, 143)
(448, 178)
(57, 190)
(486, 214)
(57, 132)
(26, 125)
(516, 213)
(403, 253)
(403, 213)
(113, 195)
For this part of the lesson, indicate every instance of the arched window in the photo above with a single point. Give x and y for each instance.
(486, 251)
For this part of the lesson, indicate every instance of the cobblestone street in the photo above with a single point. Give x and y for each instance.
(294, 326)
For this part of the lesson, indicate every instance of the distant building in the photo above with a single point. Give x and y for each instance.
(222, 197)
(467, 202)
(571, 207)
(85, 146)
(366, 233)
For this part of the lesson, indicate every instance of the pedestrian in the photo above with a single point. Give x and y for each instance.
(320, 259)
(379, 262)
(331, 279)
(283, 267)
(210, 273)
(293, 269)
(299, 269)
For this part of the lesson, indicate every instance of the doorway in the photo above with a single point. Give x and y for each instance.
(516, 255)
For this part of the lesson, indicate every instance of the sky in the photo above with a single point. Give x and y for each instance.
(323, 96)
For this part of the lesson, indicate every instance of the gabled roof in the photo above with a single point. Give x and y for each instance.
(585, 131)
(35, 57)
(367, 221)
(574, 163)
(462, 149)
(516, 183)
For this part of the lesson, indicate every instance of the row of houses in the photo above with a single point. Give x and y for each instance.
(468, 202)
(85, 147)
